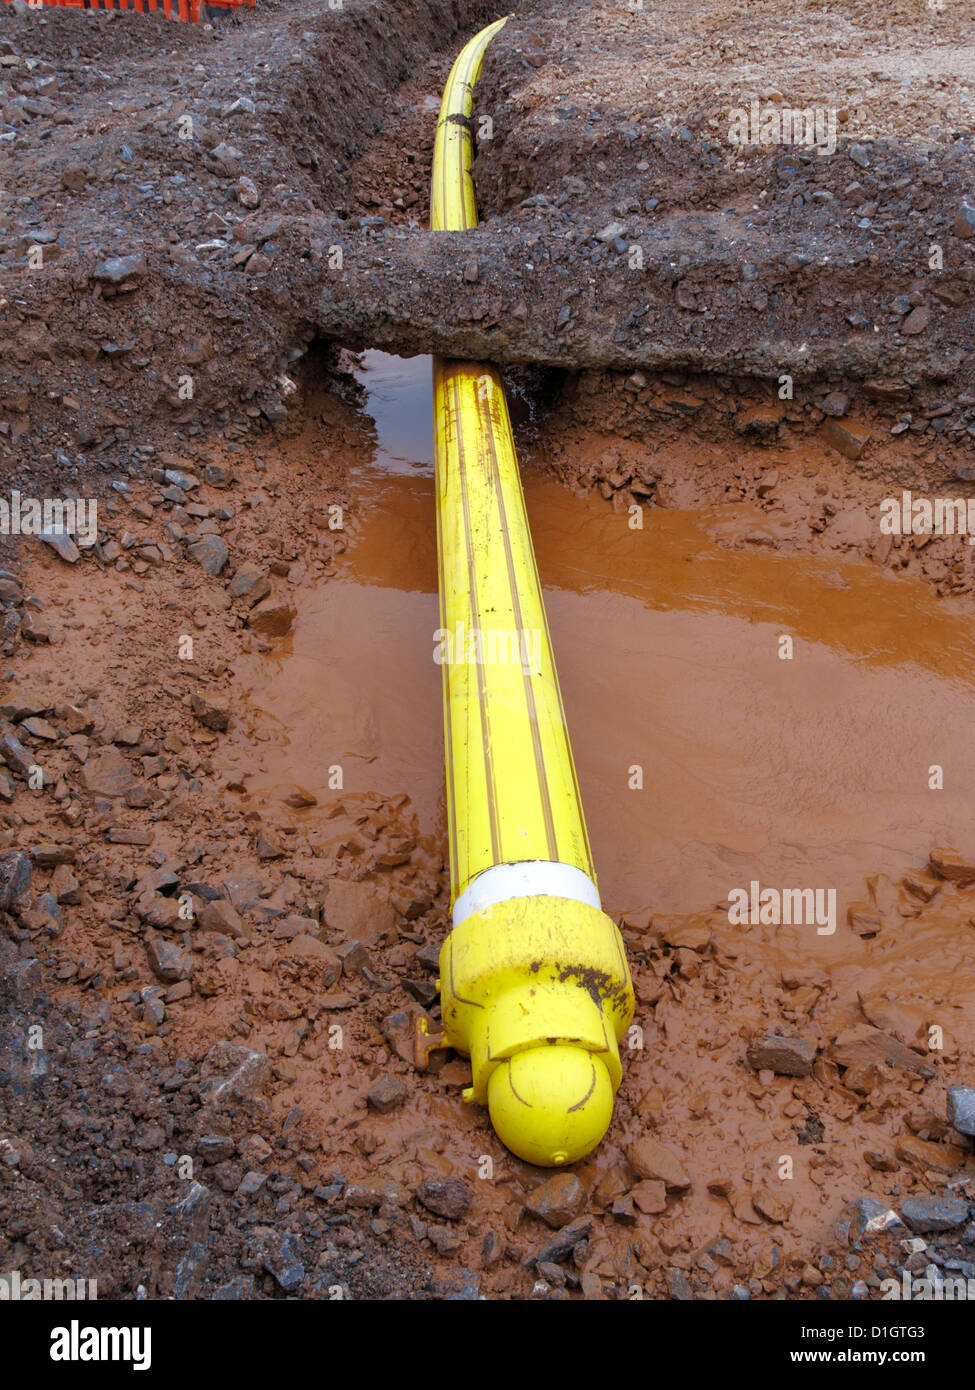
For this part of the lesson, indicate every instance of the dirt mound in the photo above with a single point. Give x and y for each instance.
(184, 217)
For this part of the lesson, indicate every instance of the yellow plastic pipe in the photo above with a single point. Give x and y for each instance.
(533, 977)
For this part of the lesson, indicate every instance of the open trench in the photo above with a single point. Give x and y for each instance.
(706, 762)
(759, 687)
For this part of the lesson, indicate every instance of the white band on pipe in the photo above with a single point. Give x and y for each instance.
(533, 878)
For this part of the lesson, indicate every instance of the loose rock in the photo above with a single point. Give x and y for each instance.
(558, 1200)
(961, 1109)
(651, 1159)
(785, 1056)
(930, 1214)
(447, 1197)
(212, 714)
(106, 773)
(387, 1094)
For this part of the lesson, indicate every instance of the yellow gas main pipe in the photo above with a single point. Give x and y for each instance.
(534, 982)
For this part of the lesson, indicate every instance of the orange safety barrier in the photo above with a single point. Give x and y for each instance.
(193, 11)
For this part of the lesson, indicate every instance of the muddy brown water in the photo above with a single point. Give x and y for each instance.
(811, 771)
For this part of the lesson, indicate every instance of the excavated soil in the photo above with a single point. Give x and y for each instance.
(222, 845)
(268, 180)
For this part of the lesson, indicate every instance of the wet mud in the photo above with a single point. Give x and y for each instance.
(286, 783)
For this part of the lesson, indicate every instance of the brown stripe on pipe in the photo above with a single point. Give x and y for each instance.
(544, 797)
(591, 868)
(475, 613)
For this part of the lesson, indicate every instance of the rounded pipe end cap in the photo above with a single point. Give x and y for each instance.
(551, 1105)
